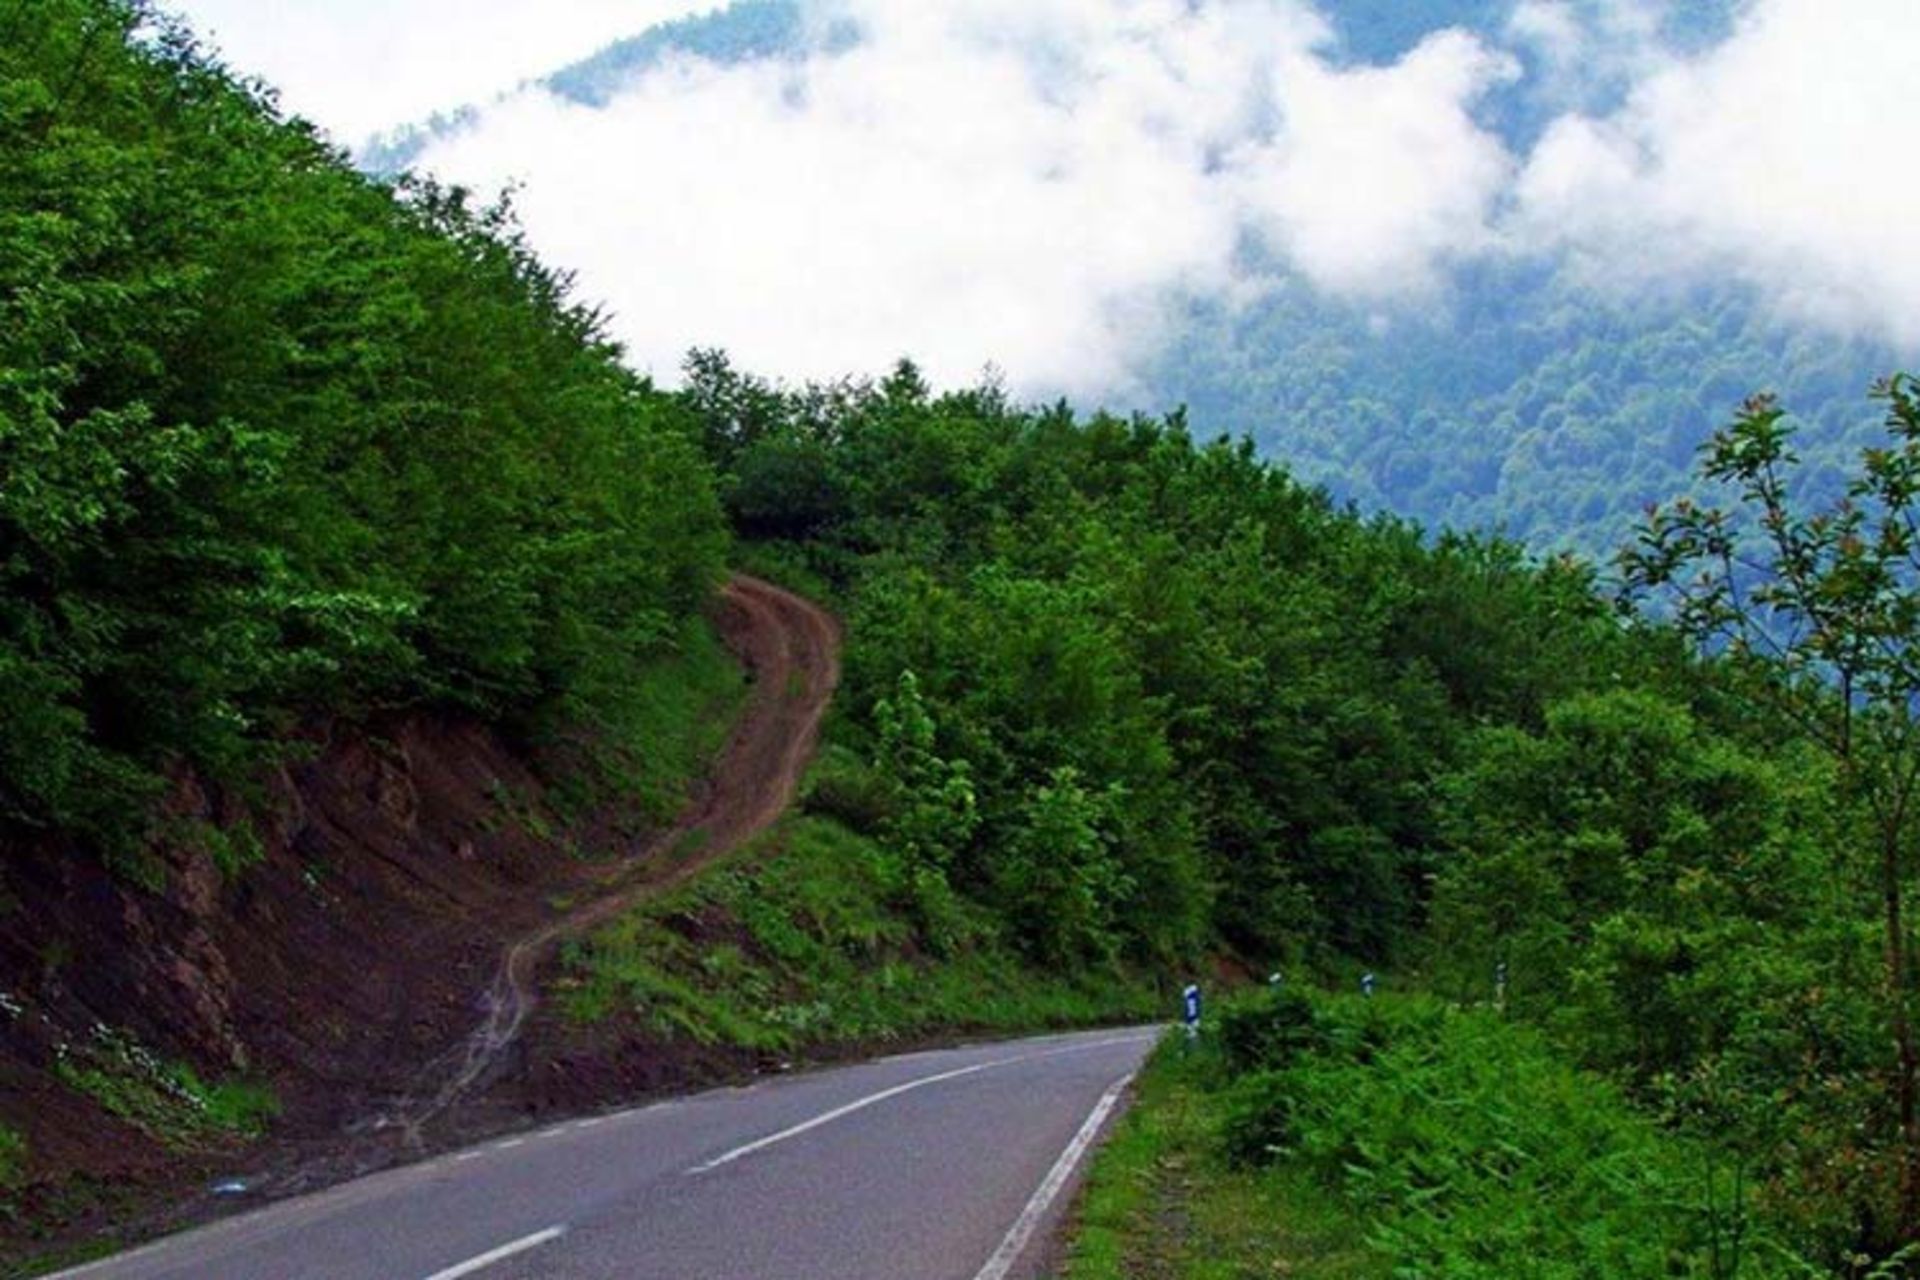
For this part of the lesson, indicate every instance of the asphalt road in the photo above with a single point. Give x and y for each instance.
(946, 1165)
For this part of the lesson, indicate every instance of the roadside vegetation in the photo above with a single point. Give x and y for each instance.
(164, 1099)
(1406, 1136)
(286, 445)
(811, 938)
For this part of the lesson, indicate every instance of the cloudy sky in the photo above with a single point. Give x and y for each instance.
(1024, 182)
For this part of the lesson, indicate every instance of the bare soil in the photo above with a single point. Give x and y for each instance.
(378, 967)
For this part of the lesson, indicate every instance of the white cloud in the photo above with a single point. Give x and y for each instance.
(1381, 175)
(1772, 159)
(356, 67)
(1023, 182)
(1006, 181)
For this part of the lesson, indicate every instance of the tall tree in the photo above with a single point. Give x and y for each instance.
(1828, 604)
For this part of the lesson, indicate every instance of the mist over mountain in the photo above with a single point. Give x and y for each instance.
(1483, 262)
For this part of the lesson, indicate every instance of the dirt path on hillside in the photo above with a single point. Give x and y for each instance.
(791, 649)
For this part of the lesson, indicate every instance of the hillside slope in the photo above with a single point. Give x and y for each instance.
(341, 975)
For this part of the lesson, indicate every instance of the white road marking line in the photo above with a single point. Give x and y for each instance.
(509, 1144)
(1021, 1233)
(828, 1117)
(501, 1254)
(860, 1104)
(465, 1156)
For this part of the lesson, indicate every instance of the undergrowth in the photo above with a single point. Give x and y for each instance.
(1161, 1202)
(13, 1158)
(658, 727)
(1305, 1135)
(809, 937)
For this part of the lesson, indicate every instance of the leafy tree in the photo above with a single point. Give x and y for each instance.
(1831, 599)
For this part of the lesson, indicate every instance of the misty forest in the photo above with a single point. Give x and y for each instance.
(1547, 655)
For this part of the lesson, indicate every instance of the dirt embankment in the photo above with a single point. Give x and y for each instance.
(378, 963)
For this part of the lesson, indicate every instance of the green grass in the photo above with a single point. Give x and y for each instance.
(808, 938)
(13, 1157)
(659, 727)
(1162, 1202)
(166, 1100)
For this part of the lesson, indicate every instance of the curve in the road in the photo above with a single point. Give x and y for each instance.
(945, 1165)
(791, 646)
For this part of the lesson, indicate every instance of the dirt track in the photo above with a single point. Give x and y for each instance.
(791, 649)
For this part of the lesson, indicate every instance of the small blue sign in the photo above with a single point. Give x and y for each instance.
(1192, 998)
(1366, 985)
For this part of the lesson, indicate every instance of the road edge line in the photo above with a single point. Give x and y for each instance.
(1020, 1234)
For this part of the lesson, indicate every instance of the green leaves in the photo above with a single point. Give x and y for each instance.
(278, 441)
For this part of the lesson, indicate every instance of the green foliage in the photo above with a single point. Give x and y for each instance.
(933, 812)
(1136, 693)
(1470, 1147)
(1269, 1031)
(1160, 1201)
(644, 729)
(822, 943)
(281, 440)
(13, 1158)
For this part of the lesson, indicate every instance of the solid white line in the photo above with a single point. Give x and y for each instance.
(501, 1254)
(861, 1104)
(1028, 1222)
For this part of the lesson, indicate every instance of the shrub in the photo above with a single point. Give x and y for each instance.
(1270, 1031)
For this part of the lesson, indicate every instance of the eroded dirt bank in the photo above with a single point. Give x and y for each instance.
(413, 879)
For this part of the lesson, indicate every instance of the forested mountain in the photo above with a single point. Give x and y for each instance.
(284, 445)
(742, 31)
(1522, 402)
(1522, 395)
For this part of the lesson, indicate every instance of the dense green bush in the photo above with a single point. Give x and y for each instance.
(1270, 1031)
(1474, 1149)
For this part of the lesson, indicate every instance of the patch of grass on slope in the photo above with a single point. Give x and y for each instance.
(13, 1158)
(165, 1099)
(809, 937)
(661, 725)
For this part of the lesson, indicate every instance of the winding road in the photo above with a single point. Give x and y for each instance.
(944, 1165)
(947, 1165)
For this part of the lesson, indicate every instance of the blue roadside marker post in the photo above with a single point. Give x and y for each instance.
(1366, 984)
(1190, 998)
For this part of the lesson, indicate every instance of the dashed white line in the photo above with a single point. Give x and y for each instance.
(501, 1254)
(1020, 1234)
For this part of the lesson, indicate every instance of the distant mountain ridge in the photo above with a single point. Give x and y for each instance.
(1520, 399)
(743, 31)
